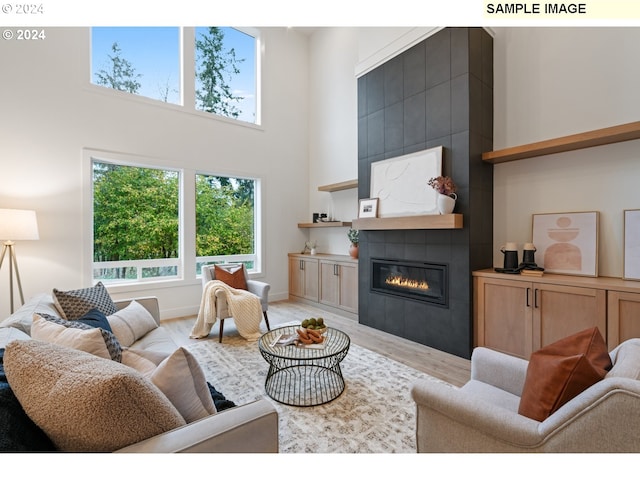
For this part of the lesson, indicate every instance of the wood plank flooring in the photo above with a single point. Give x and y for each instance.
(447, 367)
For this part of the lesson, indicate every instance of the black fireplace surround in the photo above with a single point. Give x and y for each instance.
(439, 92)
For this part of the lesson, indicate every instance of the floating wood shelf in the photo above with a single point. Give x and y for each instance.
(414, 222)
(336, 187)
(593, 138)
(324, 224)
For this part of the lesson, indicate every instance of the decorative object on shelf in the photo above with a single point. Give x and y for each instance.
(398, 183)
(510, 251)
(368, 208)
(446, 193)
(310, 247)
(631, 269)
(353, 235)
(567, 242)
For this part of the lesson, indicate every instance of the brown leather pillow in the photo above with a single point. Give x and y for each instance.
(562, 370)
(232, 275)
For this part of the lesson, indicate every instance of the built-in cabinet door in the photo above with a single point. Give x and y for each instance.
(329, 283)
(296, 277)
(519, 317)
(339, 285)
(303, 278)
(349, 287)
(560, 311)
(504, 316)
(623, 320)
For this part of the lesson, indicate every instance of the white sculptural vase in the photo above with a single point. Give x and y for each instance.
(446, 203)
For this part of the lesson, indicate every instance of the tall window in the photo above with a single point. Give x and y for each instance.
(141, 60)
(135, 223)
(225, 220)
(147, 61)
(138, 212)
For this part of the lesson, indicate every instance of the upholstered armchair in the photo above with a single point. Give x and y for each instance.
(482, 416)
(236, 271)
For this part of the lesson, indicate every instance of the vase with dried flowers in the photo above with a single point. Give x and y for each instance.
(353, 235)
(446, 193)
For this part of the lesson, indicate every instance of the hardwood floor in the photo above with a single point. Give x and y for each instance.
(447, 367)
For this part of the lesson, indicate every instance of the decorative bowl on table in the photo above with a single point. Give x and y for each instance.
(316, 324)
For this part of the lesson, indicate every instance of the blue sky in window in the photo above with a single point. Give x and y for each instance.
(244, 84)
(154, 52)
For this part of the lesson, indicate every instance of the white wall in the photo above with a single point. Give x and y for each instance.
(49, 114)
(551, 82)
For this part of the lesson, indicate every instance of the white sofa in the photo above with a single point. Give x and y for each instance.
(250, 428)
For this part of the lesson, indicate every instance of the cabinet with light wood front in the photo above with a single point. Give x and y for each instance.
(339, 284)
(324, 279)
(303, 277)
(518, 315)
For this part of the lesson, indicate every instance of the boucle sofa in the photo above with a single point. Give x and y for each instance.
(246, 428)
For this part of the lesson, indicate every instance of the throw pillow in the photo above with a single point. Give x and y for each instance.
(86, 403)
(18, 433)
(95, 319)
(131, 323)
(562, 370)
(181, 379)
(78, 335)
(75, 303)
(232, 275)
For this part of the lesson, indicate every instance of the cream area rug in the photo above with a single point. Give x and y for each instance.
(374, 414)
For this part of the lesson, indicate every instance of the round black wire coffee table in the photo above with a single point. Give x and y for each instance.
(304, 376)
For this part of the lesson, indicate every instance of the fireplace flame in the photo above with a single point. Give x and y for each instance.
(404, 282)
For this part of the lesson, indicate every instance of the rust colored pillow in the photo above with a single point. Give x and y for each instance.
(232, 275)
(562, 370)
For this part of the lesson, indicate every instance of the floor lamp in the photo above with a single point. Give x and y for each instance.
(16, 225)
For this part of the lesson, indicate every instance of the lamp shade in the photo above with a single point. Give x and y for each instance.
(18, 224)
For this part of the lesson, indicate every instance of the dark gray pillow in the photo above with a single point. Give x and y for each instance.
(75, 303)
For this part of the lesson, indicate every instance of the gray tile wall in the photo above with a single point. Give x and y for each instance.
(439, 92)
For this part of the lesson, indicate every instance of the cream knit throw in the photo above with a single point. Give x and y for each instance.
(244, 307)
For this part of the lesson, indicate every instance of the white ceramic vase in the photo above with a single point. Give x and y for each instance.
(446, 203)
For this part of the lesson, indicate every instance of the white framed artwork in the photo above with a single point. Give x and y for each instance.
(400, 183)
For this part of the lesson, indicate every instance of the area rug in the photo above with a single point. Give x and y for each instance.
(374, 414)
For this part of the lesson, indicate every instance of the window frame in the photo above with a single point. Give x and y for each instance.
(187, 260)
(188, 80)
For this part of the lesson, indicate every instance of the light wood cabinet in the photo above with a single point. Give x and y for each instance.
(339, 285)
(516, 315)
(303, 278)
(623, 311)
(330, 280)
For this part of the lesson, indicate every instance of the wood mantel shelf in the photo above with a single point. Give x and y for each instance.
(593, 138)
(336, 187)
(414, 222)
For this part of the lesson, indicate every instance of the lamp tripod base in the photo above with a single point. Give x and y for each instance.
(9, 248)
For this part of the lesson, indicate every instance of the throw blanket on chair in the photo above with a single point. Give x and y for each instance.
(244, 307)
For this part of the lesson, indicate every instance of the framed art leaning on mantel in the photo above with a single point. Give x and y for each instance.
(400, 183)
(567, 243)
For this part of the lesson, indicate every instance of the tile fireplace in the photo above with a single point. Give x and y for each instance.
(438, 92)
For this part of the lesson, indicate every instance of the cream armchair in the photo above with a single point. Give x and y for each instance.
(260, 289)
(482, 416)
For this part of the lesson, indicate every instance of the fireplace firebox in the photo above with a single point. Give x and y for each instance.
(421, 281)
